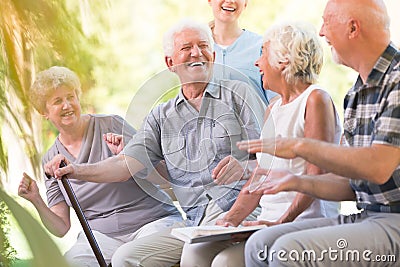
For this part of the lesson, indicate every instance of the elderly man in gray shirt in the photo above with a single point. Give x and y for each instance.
(192, 133)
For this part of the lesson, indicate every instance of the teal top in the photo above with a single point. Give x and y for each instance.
(237, 62)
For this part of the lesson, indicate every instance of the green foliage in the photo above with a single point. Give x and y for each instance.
(35, 35)
(7, 252)
(115, 48)
(130, 53)
(3, 156)
(45, 252)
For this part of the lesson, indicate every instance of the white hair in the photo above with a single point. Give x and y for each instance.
(50, 80)
(296, 43)
(168, 39)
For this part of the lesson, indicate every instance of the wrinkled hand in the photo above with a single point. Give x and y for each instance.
(223, 222)
(244, 236)
(240, 237)
(227, 171)
(52, 168)
(257, 179)
(235, 237)
(275, 182)
(260, 222)
(28, 188)
(115, 142)
(279, 147)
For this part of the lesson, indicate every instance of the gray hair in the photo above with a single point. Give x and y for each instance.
(168, 38)
(296, 43)
(48, 81)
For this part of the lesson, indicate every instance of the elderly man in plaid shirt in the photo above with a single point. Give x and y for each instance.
(365, 170)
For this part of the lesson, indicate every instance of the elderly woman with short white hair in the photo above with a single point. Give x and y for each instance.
(290, 63)
(118, 213)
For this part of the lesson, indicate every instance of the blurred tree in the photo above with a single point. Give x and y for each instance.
(45, 252)
(131, 52)
(116, 49)
(33, 36)
(7, 252)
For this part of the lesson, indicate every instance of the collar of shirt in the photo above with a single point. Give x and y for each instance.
(213, 89)
(379, 69)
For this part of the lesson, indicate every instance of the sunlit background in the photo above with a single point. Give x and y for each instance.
(120, 49)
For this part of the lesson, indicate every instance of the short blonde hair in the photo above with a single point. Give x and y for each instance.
(48, 81)
(296, 43)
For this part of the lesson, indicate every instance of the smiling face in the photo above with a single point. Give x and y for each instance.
(62, 107)
(334, 29)
(192, 57)
(271, 75)
(227, 10)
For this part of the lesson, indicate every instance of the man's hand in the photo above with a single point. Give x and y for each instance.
(52, 168)
(280, 147)
(115, 142)
(228, 170)
(276, 181)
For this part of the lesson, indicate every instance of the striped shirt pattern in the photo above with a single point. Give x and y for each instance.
(372, 116)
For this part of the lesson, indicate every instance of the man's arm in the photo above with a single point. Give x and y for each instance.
(375, 163)
(114, 169)
(325, 186)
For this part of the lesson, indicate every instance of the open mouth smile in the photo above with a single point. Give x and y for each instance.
(196, 64)
(230, 9)
(70, 113)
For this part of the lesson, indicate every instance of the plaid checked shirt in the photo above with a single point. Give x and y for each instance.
(372, 116)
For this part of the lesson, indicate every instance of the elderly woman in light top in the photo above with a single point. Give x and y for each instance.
(118, 213)
(290, 63)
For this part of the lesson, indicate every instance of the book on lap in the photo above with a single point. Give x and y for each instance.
(206, 233)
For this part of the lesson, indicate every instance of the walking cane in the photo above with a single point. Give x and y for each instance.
(82, 219)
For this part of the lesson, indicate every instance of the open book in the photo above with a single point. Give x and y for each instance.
(207, 233)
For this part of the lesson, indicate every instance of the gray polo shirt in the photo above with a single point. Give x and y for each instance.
(113, 209)
(192, 143)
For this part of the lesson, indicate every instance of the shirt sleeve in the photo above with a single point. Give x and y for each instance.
(387, 124)
(250, 110)
(145, 146)
(119, 125)
(53, 191)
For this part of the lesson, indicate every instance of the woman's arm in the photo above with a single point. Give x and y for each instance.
(55, 219)
(243, 206)
(319, 124)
